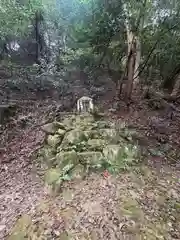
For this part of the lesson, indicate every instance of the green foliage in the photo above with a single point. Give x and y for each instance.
(126, 159)
(16, 16)
(13, 18)
(95, 31)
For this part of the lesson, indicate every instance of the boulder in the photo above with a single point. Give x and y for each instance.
(61, 132)
(93, 134)
(65, 158)
(66, 148)
(120, 155)
(112, 152)
(54, 140)
(68, 122)
(101, 124)
(108, 133)
(88, 134)
(52, 175)
(73, 137)
(47, 153)
(96, 144)
(51, 128)
(80, 147)
(90, 158)
(84, 119)
(61, 125)
(78, 172)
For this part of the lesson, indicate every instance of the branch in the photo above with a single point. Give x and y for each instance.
(153, 48)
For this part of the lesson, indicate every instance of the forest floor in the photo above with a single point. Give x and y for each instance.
(143, 203)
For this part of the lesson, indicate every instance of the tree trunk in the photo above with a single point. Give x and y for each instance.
(176, 88)
(170, 81)
(131, 67)
(39, 36)
(37, 33)
(137, 61)
(131, 60)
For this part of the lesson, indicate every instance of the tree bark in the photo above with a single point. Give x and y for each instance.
(137, 61)
(38, 19)
(131, 66)
(131, 60)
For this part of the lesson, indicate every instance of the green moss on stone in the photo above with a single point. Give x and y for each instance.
(66, 158)
(52, 175)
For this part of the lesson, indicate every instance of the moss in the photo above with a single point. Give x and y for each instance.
(108, 133)
(177, 206)
(96, 144)
(52, 175)
(65, 158)
(130, 208)
(54, 140)
(20, 230)
(73, 137)
(154, 231)
(64, 236)
(61, 132)
(90, 158)
(78, 172)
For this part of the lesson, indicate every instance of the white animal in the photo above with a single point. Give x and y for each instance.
(85, 104)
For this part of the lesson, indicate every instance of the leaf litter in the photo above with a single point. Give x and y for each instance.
(142, 203)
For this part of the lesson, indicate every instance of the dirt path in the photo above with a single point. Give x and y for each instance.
(137, 205)
(20, 188)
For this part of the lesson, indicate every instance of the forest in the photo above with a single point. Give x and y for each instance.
(111, 171)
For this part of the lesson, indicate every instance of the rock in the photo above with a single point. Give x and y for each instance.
(61, 125)
(66, 148)
(84, 119)
(97, 115)
(61, 132)
(80, 147)
(52, 175)
(48, 154)
(74, 137)
(68, 122)
(121, 155)
(54, 140)
(101, 124)
(90, 158)
(88, 134)
(80, 121)
(108, 133)
(96, 144)
(112, 152)
(51, 128)
(93, 134)
(177, 206)
(78, 172)
(65, 158)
